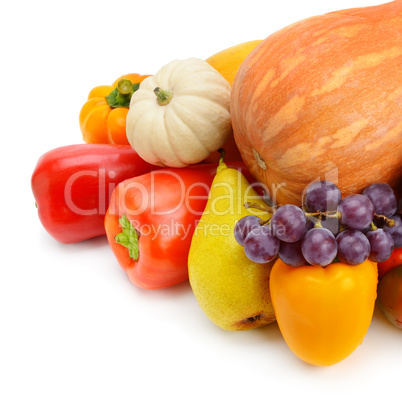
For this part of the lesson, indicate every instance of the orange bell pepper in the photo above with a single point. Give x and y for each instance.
(103, 117)
(323, 313)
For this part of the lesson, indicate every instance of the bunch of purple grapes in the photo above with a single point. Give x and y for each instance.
(326, 228)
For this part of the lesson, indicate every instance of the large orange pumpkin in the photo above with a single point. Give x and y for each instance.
(322, 99)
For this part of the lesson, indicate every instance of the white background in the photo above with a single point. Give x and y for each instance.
(73, 328)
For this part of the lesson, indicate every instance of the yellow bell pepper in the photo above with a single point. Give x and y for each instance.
(103, 117)
(323, 313)
(228, 61)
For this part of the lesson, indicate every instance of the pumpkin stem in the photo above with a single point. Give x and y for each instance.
(163, 97)
(259, 160)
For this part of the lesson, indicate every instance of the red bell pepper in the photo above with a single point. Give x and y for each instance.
(72, 187)
(151, 220)
(392, 262)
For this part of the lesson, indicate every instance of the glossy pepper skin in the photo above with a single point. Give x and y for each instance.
(390, 296)
(392, 262)
(103, 117)
(323, 313)
(151, 220)
(72, 187)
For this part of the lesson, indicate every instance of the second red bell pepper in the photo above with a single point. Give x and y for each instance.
(151, 220)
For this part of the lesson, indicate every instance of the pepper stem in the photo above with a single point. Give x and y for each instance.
(124, 86)
(163, 97)
(121, 95)
(128, 237)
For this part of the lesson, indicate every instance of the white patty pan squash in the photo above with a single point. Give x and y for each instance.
(180, 115)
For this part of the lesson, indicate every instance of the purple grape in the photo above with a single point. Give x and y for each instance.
(319, 247)
(332, 224)
(310, 223)
(381, 244)
(353, 247)
(383, 198)
(291, 253)
(322, 196)
(260, 245)
(243, 227)
(366, 229)
(289, 223)
(357, 211)
(395, 231)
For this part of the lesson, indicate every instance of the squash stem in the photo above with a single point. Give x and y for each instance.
(163, 97)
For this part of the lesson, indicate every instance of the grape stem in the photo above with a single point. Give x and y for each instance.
(327, 214)
(388, 221)
(318, 224)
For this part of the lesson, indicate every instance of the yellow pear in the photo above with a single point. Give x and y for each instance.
(231, 290)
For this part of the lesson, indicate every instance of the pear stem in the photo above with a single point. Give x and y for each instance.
(253, 205)
(223, 154)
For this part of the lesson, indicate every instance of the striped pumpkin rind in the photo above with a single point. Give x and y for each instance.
(322, 99)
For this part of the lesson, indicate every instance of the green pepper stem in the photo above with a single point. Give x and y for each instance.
(121, 95)
(125, 87)
(128, 237)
